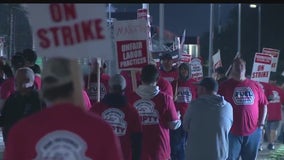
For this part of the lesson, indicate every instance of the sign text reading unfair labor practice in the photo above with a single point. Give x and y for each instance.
(131, 43)
(132, 53)
(70, 30)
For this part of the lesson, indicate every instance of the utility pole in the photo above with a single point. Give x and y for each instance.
(161, 24)
(11, 37)
(211, 30)
(239, 29)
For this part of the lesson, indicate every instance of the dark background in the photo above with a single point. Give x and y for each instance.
(195, 18)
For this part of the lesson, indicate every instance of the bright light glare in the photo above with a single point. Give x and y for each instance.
(252, 5)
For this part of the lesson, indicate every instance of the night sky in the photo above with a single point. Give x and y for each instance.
(194, 17)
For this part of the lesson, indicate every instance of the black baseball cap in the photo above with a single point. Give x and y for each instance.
(220, 70)
(209, 83)
(166, 56)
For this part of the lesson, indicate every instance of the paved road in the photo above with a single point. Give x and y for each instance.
(267, 154)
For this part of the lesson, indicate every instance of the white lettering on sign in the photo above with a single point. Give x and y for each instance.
(133, 62)
(132, 54)
(131, 46)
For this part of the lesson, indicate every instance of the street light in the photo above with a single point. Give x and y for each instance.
(259, 25)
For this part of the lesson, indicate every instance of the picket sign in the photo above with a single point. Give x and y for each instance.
(185, 58)
(275, 53)
(217, 60)
(72, 30)
(132, 47)
(261, 67)
(196, 69)
(131, 44)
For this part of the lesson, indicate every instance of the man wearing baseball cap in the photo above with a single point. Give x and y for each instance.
(204, 134)
(167, 70)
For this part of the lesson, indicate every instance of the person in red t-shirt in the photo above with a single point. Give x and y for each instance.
(158, 114)
(185, 91)
(64, 130)
(267, 91)
(167, 70)
(164, 85)
(124, 119)
(248, 100)
(91, 85)
(274, 112)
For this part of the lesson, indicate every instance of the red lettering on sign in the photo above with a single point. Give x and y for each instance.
(60, 12)
(260, 68)
(67, 36)
(71, 34)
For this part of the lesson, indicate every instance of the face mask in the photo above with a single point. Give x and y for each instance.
(25, 85)
(28, 85)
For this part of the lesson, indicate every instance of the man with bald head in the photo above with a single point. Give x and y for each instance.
(249, 111)
(21, 103)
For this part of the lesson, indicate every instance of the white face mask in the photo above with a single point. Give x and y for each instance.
(28, 85)
(25, 85)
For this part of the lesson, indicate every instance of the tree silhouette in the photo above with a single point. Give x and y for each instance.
(21, 31)
(272, 35)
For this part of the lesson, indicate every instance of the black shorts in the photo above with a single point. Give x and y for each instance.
(272, 125)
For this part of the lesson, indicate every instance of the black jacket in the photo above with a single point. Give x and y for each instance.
(18, 106)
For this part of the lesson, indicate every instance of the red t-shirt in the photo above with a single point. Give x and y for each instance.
(124, 121)
(186, 92)
(274, 107)
(169, 76)
(64, 132)
(155, 115)
(246, 97)
(165, 86)
(266, 88)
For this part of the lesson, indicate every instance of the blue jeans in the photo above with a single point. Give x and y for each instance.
(244, 146)
(178, 141)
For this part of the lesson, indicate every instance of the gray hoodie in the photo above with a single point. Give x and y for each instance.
(208, 121)
(148, 92)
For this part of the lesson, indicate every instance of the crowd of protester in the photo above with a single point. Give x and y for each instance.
(55, 112)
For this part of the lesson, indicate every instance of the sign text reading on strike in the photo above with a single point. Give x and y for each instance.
(260, 74)
(68, 35)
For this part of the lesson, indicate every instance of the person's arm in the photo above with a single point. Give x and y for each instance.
(136, 145)
(175, 121)
(262, 116)
(175, 124)
(186, 119)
